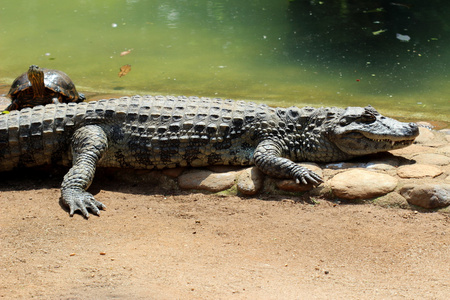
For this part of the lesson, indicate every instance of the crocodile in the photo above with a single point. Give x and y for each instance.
(145, 132)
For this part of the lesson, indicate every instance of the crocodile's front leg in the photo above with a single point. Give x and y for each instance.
(267, 158)
(88, 144)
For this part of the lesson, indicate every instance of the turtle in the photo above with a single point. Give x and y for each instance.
(40, 86)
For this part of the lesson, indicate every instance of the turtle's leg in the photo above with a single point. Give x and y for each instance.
(88, 145)
(13, 106)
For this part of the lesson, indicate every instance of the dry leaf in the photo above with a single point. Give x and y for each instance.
(123, 53)
(124, 70)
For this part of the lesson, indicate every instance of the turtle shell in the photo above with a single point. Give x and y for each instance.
(58, 86)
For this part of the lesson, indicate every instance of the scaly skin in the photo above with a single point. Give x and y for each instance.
(164, 132)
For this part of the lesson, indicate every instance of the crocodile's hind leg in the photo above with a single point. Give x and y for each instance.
(267, 158)
(88, 145)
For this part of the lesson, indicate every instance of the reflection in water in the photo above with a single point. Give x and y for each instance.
(344, 52)
(381, 36)
(169, 15)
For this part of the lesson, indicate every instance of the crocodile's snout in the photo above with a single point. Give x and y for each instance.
(414, 129)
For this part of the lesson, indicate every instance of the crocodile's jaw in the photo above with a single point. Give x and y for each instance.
(356, 143)
(371, 134)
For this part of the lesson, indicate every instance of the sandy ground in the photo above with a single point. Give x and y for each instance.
(147, 245)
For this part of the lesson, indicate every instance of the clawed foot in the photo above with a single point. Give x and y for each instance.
(306, 176)
(80, 200)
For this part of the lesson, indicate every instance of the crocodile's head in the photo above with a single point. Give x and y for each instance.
(361, 131)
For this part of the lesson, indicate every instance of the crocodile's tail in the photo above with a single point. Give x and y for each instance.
(32, 136)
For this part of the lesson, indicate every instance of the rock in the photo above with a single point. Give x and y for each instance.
(427, 195)
(291, 186)
(425, 136)
(444, 150)
(425, 124)
(224, 168)
(432, 159)
(174, 173)
(4, 102)
(388, 160)
(250, 181)
(207, 180)
(418, 171)
(344, 165)
(411, 150)
(380, 166)
(393, 199)
(362, 184)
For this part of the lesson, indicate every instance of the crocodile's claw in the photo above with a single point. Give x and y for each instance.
(79, 200)
(306, 176)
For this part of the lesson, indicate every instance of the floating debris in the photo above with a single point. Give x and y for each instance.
(403, 37)
(379, 32)
(126, 52)
(124, 70)
(401, 5)
(376, 10)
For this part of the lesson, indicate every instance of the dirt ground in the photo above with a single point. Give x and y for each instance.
(147, 245)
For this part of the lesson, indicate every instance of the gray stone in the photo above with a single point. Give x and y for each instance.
(418, 171)
(380, 166)
(390, 160)
(362, 184)
(432, 159)
(345, 165)
(250, 181)
(207, 180)
(427, 195)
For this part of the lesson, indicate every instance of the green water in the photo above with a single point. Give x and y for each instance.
(321, 53)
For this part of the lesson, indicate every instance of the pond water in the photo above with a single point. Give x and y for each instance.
(391, 55)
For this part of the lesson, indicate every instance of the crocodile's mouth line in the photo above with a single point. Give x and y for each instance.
(393, 143)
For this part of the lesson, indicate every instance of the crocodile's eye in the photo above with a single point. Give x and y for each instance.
(368, 118)
(345, 121)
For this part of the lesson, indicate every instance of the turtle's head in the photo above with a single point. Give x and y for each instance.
(36, 78)
(35, 75)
